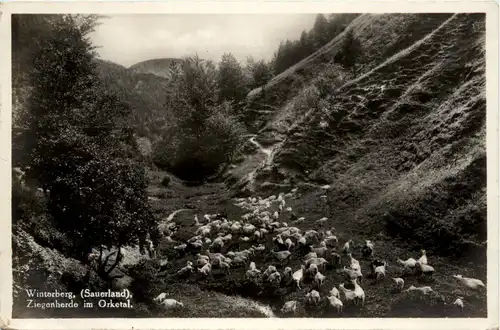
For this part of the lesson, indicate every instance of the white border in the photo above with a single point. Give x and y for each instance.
(381, 6)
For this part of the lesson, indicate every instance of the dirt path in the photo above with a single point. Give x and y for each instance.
(172, 215)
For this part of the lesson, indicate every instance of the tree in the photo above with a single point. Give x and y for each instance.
(196, 95)
(320, 31)
(306, 47)
(350, 51)
(231, 80)
(174, 69)
(201, 138)
(259, 72)
(248, 71)
(286, 56)
(77, 144)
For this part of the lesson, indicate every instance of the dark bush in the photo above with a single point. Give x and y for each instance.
(145, 285)
(26, 203)
(166, 181)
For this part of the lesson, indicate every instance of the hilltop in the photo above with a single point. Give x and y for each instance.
(158, 66)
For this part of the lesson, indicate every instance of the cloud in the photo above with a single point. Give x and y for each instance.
(128, 39)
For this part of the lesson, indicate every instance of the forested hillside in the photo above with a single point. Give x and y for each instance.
(146, 93)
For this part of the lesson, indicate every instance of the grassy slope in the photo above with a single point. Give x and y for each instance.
(381, 36)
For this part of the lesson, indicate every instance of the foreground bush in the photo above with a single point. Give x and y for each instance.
(165, 182)
(145, 286)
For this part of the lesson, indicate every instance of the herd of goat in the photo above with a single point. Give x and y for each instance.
(316, 249)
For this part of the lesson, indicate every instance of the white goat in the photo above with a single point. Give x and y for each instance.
(289, 244)
(424, 289)
(313, 297)
(334, 292)
(459, 303)
(289, 307)
(160, 297)
(358, 290)
(336, 303)
(206, 269)
(350, 295)
(423, 259)
(470, 283)
(298, 276)
(399, 282)
(354, 263)
(319, 279)
(270, 269)
(347, 246)
(321, 222)
(171, 303)
(380, 271)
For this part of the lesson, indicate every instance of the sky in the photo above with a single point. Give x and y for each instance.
(129, 39)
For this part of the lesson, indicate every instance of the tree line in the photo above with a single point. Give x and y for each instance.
(325, 29)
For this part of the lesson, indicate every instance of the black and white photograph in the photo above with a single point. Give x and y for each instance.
(249, 165)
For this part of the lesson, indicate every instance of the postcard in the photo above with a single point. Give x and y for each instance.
(249, 165)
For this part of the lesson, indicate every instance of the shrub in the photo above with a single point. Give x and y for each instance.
(26, 203)
(145, 284)
(165, 182)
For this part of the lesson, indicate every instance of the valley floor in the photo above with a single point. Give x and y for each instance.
(381, 298)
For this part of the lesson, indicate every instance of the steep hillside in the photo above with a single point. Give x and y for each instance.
(160, 66)
(382, 35)
(403, 143)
